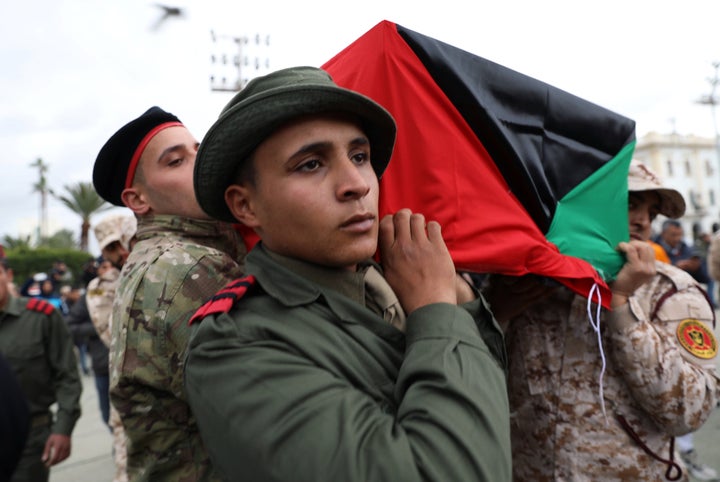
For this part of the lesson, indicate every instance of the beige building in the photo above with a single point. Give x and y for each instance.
(691, 165)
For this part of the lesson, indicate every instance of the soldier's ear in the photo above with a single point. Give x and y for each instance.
(241, 202)
(135, 199)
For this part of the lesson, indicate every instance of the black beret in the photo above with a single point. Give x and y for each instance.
(114, 160)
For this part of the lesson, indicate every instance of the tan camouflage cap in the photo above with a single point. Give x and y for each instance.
(642, 178)
(114, 228)
(128, 228)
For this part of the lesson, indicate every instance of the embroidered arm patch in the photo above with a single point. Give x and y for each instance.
(697, 338)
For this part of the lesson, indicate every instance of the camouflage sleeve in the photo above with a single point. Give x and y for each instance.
(66, 380)
(100, 296)
(149, 346)
(676, 384)
(206, 278)
(181, 290)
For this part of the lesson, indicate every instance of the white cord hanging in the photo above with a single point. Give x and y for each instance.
(595, 290)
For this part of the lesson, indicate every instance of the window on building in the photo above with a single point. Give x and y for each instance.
(669, 168)
(696, 200)
(688, 171)
(708, 167)
(711, 197)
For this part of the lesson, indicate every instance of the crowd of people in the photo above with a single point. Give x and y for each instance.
(240, 326)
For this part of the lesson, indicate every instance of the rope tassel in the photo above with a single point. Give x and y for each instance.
(595, 323)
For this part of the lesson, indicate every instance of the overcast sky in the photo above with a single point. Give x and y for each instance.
(74, 71)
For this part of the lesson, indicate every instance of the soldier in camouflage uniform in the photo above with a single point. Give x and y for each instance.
(584, 410)
(181, 258)
(39, 348)
(114, 235)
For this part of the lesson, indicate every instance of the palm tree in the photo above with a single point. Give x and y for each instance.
(18, 242)
(83, 200)
(63, 239)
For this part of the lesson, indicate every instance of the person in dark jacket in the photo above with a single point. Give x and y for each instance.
(83, 331)
(14, 420)
(322, 365)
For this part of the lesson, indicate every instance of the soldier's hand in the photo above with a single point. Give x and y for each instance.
(57, 449)
(416, 261)
(691, 264)
(639, 268)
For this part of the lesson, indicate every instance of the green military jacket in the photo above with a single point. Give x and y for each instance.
(295, 381)
(176, 265)
(39, 348)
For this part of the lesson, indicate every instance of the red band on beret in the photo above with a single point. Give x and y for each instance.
(141, 148)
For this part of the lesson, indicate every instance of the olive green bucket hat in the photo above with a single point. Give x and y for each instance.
(266, 104)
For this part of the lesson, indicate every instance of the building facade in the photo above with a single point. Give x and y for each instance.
(691, 165)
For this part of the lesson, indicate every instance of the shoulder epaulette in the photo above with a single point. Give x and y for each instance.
(41, 306)
(681, 280)
(224, 299)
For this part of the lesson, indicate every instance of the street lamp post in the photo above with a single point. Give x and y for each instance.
(712, 100)
(236, 60)
(42, 188)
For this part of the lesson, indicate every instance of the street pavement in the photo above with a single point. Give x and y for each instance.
(91, 458)
(707, 441)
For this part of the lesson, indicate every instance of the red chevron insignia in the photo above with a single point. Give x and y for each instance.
(41, 306)
(224, 299)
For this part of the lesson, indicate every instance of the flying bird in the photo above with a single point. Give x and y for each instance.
(168, 11)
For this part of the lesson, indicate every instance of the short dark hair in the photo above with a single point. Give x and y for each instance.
(671, 222)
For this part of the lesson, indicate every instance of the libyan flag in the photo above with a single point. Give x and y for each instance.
(523, 177)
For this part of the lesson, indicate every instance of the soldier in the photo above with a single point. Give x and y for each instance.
(602, 399)
(181, 258)
(114, 235)
(39, 348)
(316, 366)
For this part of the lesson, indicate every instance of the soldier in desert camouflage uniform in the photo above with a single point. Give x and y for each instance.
(114, 235)
(181, 258)
(659, 379)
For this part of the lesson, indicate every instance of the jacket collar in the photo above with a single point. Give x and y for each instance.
(207, 232)
(14, 306)
(281, 281)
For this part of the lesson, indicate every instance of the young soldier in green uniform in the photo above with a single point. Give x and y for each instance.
(181, 258)
(317, 366)
(39, 348)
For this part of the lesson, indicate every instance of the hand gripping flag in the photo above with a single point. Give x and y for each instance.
(523, 177)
